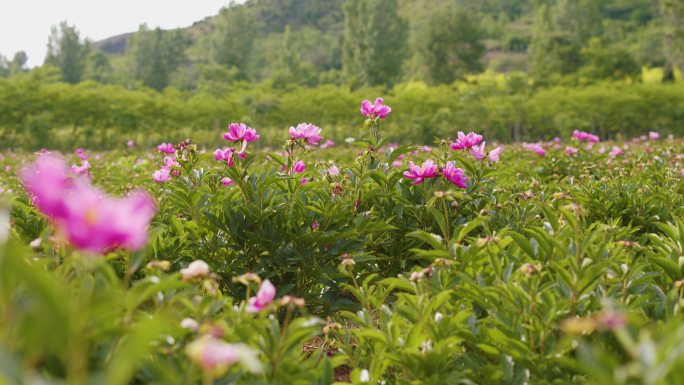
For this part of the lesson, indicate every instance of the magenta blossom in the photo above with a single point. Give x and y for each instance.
(534, 147)
(328, 143)
(82, 169)
(98, 223)
(455, 175)
(377, 110)
(333, 171)
(89, 219)
(299, 167)
(227, 182)
(162, 175)
(478, 151)
(166, 148)
(494, 154)
(170, 161)
(130, 143)
(307, 132)
(427, 171)
(465, 142)
(215, 356)
(653, 135)
(570, 151)
(585, 136)
(81, 154)
(615, 151)
(240, 132)
(264, 297)
(47, 181)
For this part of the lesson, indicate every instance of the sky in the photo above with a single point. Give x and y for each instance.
(25, 24)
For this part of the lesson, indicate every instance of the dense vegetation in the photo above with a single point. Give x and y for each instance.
(549, 263)
(552, 66)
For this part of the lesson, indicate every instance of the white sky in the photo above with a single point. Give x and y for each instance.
(25, 24)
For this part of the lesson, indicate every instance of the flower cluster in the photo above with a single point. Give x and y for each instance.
(88, 218)
(535, 147)
(585, 136)
(170, 166)
(474, 144)
(430, 170)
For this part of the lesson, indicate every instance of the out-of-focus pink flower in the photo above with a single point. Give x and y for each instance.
(427, 171)
(196, 269)
(166, 148)
(377, 110)
(464, 142)
(306, 131)
(615, 152)
(681, 172)
(130, 143)
(299, 167)
(495, 153)
(170, 161)
(227, 182)
(81, 154)
(82, 169)
(653, 135)
(264, 297)
(315, 225)
(240, 132)
(535, 147)
(570, 151)
(328, 143)
(215, 355)
(8, 168)
(162, 175)
(334, 171)
(47, 180)
(585, 136)
(478, 151)
(455, 175)
(98, 223)
(556, 140)
(304, 181)
(426, 149)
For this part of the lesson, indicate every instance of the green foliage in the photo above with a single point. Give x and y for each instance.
(67, 52)
(453, 46)
(232, 40)
(154, 55)
(375, 41)
(554, 270)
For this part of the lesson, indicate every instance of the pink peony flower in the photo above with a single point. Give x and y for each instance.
(81, 154)
(82, 169)
(162, 175)
(427, 171)
(652, 135)
(570, 151)
(170, 161)
(333, 171)
(327, 144)
(215, 355)
(299, 167)
(306, 131)
(535, 147)
(465, 142)
(130, 143)
(615, 152)
(455, 175)
(478, 151)
(227, 182)
(166, 148)
(98, 223)
(377, 110)
(47, 181)
(494, 154)
(240, 132)
(585, 136)
(89, 219)
(264, 297)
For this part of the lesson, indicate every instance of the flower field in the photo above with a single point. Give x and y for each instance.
(463, 262)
